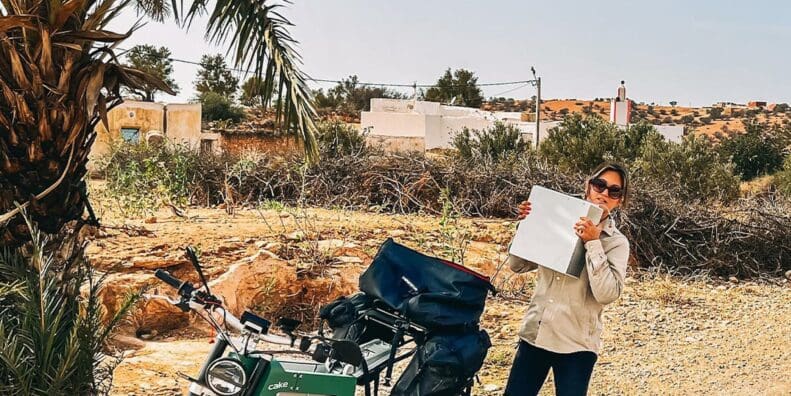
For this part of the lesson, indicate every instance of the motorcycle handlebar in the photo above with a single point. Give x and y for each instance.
(169, 279)
(229, 319)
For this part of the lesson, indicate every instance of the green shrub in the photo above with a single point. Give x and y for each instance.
(495, 143)
(693, 169)
(583, 143)
(141, 177)
(782, 178)
(338, 139)
(216, 107)
(756, 152)
(51, 321)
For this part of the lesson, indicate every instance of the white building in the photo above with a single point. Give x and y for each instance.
(621, 115)
(405, 124)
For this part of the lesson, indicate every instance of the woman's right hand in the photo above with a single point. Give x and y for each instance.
(523, 209)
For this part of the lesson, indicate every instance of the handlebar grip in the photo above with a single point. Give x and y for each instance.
(169, 279)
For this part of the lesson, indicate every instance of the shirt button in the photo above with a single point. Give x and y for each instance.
(551, 301)
(557, 278)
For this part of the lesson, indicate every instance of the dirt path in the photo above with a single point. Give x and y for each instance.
(665, 336)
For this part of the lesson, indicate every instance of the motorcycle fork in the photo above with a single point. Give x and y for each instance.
(216, 352)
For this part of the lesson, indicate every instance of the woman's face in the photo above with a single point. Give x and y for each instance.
(603, 198)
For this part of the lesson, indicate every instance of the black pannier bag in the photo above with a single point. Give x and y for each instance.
(343, 317)
(444, 366)
(429, 291)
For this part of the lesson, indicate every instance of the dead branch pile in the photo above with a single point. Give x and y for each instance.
(748, 238)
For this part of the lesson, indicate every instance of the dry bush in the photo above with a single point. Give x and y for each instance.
(666, 227)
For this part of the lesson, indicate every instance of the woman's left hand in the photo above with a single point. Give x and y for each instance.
(586, 230)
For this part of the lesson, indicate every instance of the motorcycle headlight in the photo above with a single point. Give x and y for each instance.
(226, 377)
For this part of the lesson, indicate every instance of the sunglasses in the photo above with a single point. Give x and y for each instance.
(599, 185)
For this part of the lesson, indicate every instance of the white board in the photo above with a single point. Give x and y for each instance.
(546, 236)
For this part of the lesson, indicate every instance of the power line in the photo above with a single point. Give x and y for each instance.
(414, 85)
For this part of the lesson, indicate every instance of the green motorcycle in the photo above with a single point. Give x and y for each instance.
(331, 367)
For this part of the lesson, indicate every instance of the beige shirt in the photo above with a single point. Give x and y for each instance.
(564, 315)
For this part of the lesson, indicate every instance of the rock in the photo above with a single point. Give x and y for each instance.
(249, 240)
(150, 220)
(396, 233)
(152, 263)
(352, 251)
(150, 315)
(327, 245)
(121, 341)
(349, 260)
(147, 336)
(733, 279)
(267, 253)
(721, 287)
(491, 388)
(271, 284)
(487, 238)
(260, 244)
(234, 246)
(788, 274)
(295, 236)
(273, 246)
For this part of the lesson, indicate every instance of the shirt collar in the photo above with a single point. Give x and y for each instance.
(609, 226)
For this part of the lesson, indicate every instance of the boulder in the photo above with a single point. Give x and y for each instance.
(269, 286)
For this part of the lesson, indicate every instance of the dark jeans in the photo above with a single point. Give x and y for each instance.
(572, 371)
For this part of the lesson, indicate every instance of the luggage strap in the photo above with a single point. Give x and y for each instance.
(401, 327)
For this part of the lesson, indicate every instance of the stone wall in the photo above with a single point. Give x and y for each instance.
(238, 144)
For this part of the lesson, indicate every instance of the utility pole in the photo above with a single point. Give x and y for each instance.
(538, 110)
(537, 83)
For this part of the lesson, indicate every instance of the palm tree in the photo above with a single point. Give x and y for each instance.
(59, 75)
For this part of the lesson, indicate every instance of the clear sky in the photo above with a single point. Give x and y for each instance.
(694, 52)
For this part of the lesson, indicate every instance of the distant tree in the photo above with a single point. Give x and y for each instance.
(756, 152)
(692, 168)
(495, 143)
(254, 92)
(216, 107)
(673, 103)
(215, 76)
(351, 97)
(687, 119)
(783, 177)
(459, 88)
(326, 100)
(715, 113)
(582, 143)
(154, 62)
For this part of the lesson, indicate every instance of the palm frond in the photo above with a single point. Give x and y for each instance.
(53, 333)
(257, 37)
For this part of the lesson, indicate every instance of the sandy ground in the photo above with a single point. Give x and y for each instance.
(664, 336)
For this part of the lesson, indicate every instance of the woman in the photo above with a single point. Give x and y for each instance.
(562, 327)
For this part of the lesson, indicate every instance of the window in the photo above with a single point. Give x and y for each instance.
(206, 146)
(130, 135)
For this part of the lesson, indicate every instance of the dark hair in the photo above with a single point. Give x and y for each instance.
(615, 167)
